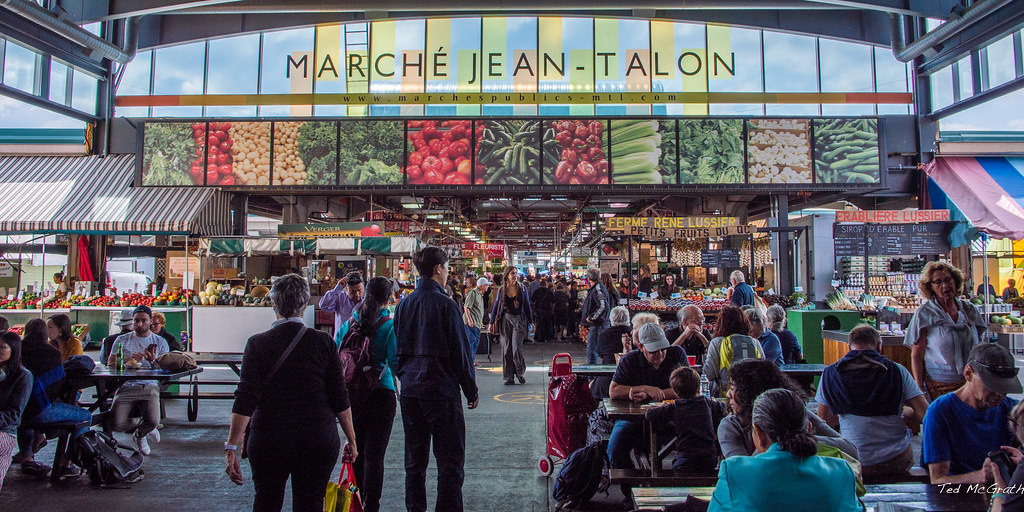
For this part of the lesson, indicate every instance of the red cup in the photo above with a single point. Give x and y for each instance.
(692, 360)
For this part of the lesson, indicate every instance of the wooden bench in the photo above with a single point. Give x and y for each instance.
(61, 430)
(917, 475)
(643, 478)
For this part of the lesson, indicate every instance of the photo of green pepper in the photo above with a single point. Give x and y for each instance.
(846, 150)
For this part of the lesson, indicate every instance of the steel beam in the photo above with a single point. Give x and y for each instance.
(29, 34)
(978, 99)
(930, 9)
(1000, 23)
(44, 103)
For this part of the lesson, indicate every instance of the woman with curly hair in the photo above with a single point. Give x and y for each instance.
(943, 331)
(750, 378)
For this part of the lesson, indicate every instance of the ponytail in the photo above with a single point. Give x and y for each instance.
(780, 414)
(378, 290)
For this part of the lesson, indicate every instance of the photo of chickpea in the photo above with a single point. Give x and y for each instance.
(289, 169)
(251, 152)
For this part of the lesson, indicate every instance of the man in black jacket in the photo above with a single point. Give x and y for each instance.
(433, 363)
(596, 308)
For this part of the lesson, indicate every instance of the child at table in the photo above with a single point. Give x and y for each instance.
(696, 418)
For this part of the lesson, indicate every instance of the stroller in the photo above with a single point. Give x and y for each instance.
(569, 405)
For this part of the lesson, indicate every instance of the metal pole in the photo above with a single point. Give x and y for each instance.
(43, 280)
(984, 276)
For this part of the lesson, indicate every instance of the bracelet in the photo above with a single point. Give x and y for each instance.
(230, 447)
(998, 495)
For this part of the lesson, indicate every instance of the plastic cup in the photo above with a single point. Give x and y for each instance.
(692, 360)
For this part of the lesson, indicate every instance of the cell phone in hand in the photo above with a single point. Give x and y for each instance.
(151, 347)
(1002, 460)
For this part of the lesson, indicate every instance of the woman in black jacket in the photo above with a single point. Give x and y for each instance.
(294, 398)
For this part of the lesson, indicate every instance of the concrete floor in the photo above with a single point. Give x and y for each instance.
(505, 438)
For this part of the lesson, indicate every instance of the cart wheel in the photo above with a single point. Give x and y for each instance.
(546, 465)
(193, 402)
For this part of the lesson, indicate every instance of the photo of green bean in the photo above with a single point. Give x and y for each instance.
(846, 150)
(508, 152)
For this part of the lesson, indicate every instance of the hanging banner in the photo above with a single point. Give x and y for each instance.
(892, 216)
(491, 250)
(678, 227)
(329, 230)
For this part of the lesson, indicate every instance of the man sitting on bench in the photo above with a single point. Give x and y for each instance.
(876, 400)
(143, 346)
(962, 427)
(641, 376)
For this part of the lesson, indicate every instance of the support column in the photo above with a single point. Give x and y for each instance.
(780, 211)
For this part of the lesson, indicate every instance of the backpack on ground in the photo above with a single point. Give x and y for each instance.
(580, 476)
(109, 463)
(362, 375)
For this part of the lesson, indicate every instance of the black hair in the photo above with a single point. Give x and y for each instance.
(780, 414)
(63, 323)
(4, 324)
(378, 290)
(35, 332)
(427, 259)
(751, 377)
(14, 341)
(353, 278)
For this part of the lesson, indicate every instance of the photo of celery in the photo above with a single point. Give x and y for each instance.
(636, 152)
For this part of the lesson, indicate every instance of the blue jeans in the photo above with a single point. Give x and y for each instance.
(626, 435)
(592, 335)
(473, 333)
(56, 412)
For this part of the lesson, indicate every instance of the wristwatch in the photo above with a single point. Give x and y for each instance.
(232, 447)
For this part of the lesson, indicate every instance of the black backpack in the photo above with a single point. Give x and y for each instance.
(362, 375)
(580, 476)
(99, 454)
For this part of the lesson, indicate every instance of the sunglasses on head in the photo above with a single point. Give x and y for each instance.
(999, 370)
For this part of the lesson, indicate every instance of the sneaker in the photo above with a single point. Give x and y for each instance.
(142, 443)
(153, 436)
(509, 382)
(70, 471)
(522, 379)
(35, 468)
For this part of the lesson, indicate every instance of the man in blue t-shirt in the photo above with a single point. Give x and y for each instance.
(642, 376)
(740, 293)
(960, 428)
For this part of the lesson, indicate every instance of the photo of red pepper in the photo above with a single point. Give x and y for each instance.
(439, 152)
(574, 152)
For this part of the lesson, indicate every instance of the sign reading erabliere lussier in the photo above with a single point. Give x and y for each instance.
(892, 216)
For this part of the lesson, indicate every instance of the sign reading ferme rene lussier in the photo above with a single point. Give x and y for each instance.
(678, 227)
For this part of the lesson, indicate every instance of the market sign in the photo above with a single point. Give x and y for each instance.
(892, 216)
(329, 230)
(491, 250)
(678, 227)
(891, 239)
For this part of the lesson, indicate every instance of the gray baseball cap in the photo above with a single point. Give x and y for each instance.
(126, 318)
(652, 336)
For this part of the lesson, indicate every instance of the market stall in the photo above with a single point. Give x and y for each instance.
(237, 272)
(91, 198)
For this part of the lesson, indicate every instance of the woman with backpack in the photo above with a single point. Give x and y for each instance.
(373, 412)
(732, 342)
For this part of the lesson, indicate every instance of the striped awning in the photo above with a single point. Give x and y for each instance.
(382, 245)
(94, 195)
(988, 190)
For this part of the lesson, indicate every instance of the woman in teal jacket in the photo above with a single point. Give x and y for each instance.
(374, 415)
(786, 476)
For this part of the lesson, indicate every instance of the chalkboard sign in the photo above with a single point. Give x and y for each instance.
(891, 239)
(718, 258)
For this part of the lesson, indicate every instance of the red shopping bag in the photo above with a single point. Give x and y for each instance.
(343, 496)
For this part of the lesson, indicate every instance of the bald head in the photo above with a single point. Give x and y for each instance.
(691, 315)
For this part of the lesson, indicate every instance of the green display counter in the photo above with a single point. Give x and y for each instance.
(808, 324)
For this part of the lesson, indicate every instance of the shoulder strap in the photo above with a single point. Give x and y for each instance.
(286, 353)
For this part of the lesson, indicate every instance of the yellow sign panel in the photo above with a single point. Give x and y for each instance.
(678, 227)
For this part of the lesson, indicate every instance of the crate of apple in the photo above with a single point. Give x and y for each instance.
(137, 299)
(216, 144)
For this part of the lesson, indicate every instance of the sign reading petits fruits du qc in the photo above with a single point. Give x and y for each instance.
(678, 227)
(329, 230)
(892, 216)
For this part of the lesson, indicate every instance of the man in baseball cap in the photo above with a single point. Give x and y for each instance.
(962, 427)
(642, 376)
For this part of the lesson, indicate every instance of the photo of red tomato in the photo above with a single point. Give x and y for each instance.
(439, 152)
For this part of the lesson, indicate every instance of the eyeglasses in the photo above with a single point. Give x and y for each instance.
(1005, 372)
(942, 282)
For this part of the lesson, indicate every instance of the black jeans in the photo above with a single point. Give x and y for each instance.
(305, 452)
(373, 420)
(443, 422)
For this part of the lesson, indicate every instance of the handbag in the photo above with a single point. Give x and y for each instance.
(344, 495)
(176, 361)
(277, 366)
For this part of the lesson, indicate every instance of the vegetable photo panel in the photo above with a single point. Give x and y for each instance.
(846, 150)
(439, 152)
(508, 152)
(243, 157)
(643, 151)
(174, 154)
(779, 151)
(305, 153)
(577, 146)
(711, 151)
(370, 152)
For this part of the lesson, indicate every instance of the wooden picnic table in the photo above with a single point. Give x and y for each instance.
(607, 370)
(879, 498)
(108, 380)
(233, 361)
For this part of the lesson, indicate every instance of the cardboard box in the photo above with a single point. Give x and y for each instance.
(224, 273)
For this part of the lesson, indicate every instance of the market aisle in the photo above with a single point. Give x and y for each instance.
(505, 437)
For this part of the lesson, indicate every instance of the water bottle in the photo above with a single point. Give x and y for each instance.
(705, 386)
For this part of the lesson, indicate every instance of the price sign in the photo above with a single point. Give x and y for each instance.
(654, 295)
(642, 295)
(623, 302)
(677, 295)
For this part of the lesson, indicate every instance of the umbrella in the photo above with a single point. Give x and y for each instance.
(84, 263)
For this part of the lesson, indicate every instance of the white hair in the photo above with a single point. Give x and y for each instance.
(737, 277)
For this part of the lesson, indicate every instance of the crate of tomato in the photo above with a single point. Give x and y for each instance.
(439, 152)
